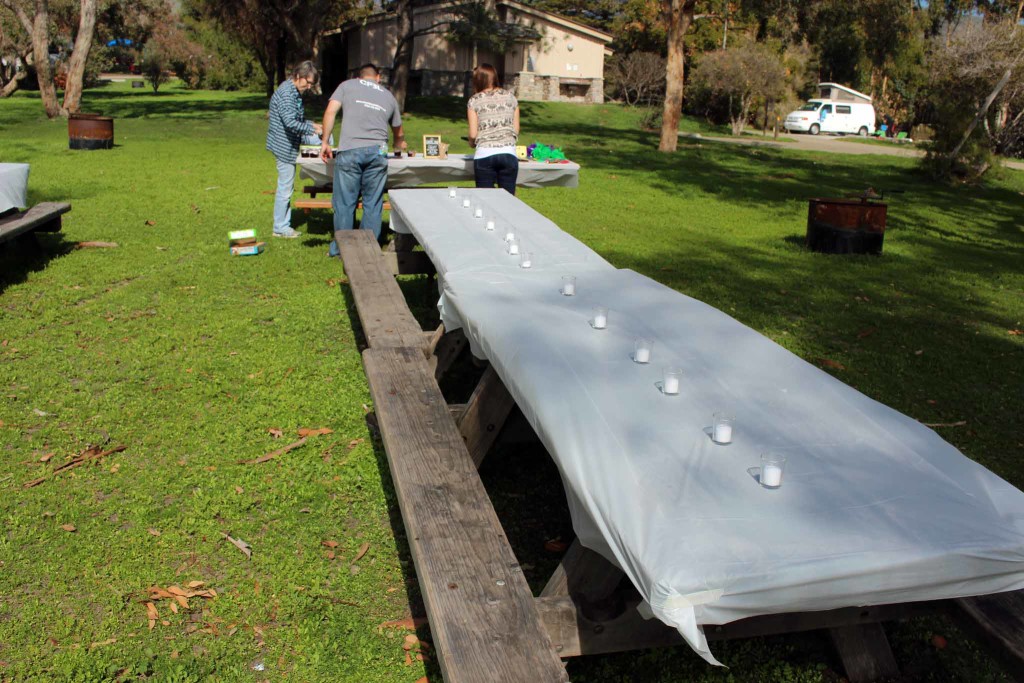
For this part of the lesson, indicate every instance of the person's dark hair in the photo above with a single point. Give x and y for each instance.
(306, 70)
(368, 71)
(484, 78)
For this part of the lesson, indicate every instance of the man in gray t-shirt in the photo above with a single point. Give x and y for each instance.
(361, 163)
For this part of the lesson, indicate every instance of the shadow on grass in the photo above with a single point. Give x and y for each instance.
(178, 105)
(29, 253)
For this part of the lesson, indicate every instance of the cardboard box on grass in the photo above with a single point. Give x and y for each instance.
(244, 243)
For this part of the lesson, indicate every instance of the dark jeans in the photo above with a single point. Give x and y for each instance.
(500, 170)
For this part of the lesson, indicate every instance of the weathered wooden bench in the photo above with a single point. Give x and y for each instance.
(486, 623)
(44, 217)
(309, 204)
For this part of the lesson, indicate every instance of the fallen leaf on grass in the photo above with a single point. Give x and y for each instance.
(555, 545)
(240, 544)
(45, 458)
(195, 209)
(90, 454)
(329, 544)
(70, 528)
(410, 642)
(239, 489)
(151, 614)
(102, 643)
(1016, 333)
(829, 363)
(958, 423)
(354, 442)
(40, 413)
(275, 432)
(150, 222)
(867, 332)
(96, 245)
(423, 679)
(362, 551)
(304, 432)
(274, 454)
(153, 532)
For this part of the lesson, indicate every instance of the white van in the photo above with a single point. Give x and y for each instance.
(837, 109)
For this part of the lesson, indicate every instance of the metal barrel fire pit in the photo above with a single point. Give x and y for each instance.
(846, 226)
(90, 131)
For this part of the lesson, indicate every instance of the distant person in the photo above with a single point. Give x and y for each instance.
(493, 114)
(289, 129)
(361, 165)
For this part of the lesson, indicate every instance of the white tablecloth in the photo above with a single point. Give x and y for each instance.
(417, 171)
(874, 508)
(13, 186)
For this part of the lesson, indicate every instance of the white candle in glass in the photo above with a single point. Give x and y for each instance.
(526, 261)
(513, 248)
(600, 320)
(721, 431)
(510, 236)
(642, 350)
(771, 476)
(451, 193)
(465, 203)
(670, 381)
(490, 225)
(568, 285)
(478, 212)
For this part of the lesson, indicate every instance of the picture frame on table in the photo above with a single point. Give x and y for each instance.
(431, 146)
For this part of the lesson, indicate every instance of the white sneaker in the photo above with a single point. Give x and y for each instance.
(287, 234)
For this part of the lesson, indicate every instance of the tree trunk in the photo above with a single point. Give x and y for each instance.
(281, 59)
(41, 57)
(678, 15)
(12, 85)
(402, 64)
(76, 68)
(983, 110)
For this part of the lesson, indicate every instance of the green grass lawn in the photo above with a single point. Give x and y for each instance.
(188, 357)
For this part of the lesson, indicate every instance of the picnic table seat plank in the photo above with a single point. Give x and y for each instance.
(482, 614)
(43, 217)
(998, 621)
(383, 312)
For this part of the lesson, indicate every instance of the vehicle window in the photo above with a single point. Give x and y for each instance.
(827, 109)
(840, 109)
(810, 106)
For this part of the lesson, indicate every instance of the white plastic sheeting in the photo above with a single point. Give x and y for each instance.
(874, 508)
(13, 186)
(406, 172)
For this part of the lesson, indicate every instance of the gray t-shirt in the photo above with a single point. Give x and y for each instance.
(367, 108)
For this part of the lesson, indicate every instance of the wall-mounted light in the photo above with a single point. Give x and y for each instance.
(570, 47)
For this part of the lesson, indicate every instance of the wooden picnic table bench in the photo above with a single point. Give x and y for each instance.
(485, 621)
(44, 217)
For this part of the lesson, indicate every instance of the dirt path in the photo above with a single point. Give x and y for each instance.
(830, 143)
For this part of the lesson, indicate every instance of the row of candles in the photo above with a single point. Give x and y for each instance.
(772, 464)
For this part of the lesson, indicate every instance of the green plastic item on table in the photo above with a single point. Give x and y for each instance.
(542, 152)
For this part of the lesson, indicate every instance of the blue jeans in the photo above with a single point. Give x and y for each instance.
(500, 170)
(362, 171)
(283, 196)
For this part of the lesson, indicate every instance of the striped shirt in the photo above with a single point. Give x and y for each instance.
(288, 123)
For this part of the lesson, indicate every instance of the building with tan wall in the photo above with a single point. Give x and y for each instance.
(565, 64)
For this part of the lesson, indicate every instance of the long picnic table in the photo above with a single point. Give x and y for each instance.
(416, 171)
(875, 509)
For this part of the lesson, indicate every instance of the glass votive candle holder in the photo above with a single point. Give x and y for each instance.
(600, 319)
(451, 193)
(568, 285)
(772, 467)
(642, 349)
(490, 225)
(465, 202)
(478, 212)
(509, 235)
(526, 259)
(513, 248)
(670, 381)
(721, 428)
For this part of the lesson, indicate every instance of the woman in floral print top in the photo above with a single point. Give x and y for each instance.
(493, 114)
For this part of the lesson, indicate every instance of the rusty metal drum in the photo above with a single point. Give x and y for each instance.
(90, 131)
(846, 226)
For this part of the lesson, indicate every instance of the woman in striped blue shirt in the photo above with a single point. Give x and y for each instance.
(289, 129)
